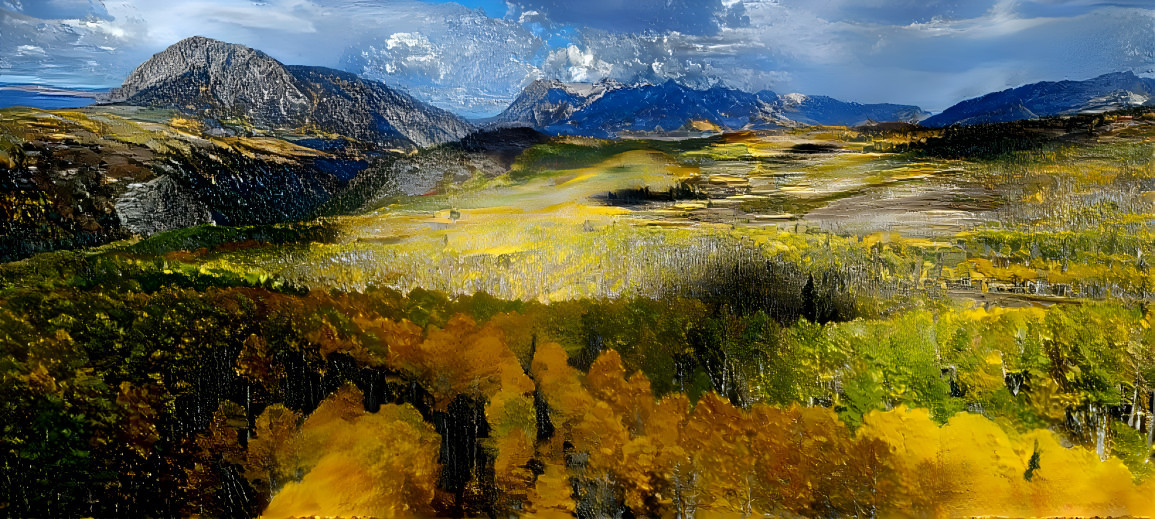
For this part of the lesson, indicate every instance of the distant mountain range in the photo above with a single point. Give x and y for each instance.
(239, 86)
(829, 111)
(48, 98)
(610, 108)
(1107, 92)
(235, 87)
(232, 82)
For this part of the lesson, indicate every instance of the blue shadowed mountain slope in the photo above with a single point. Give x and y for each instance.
(1107, 92)
(608, 108)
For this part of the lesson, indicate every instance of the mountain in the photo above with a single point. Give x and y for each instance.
(1107, 92)
(667, 106)
(825, 110)
(608, 109)
(226, 81)
(546, 103)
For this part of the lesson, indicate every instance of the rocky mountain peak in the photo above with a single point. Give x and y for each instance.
(233, 72)
(223, 80)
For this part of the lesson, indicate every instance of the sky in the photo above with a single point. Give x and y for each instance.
(474, 56)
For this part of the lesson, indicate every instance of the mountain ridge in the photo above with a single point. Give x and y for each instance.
(607, 109)
(1106, 92)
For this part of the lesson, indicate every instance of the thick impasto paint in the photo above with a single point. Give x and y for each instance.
(536, 258)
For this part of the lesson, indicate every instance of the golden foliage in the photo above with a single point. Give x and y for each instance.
(461, 359)
(720, 460)
(357, 463)
(271, 460)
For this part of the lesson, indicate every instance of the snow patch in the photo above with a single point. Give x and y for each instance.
(794, 98)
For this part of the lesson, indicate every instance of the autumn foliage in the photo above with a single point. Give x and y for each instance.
(256, 402)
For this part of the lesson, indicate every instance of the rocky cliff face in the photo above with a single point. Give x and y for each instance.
(159, 205)
(103, 175)
(225, 81)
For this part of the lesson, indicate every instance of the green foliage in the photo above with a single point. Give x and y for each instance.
(212, 237)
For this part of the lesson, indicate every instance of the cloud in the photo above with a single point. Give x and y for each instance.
(700, 17)
(67, 52)
(463, 61)
(66, 9)
(1003, 49)
(579, 65)
(889, 12)
(697, 61)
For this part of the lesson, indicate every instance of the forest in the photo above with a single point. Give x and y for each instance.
(221, 398)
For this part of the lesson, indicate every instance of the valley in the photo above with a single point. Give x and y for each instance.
(326, 298)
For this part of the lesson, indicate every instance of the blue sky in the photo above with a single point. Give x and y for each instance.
(474, 56)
